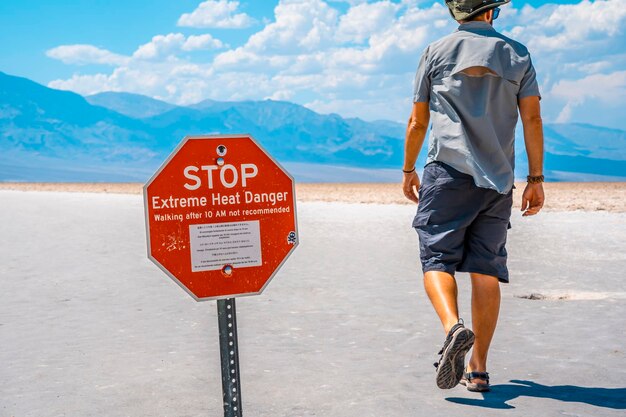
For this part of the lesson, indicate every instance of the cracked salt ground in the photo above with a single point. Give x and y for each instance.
(575, 296)
(549, 358)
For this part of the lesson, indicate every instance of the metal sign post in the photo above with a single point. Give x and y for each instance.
(229, 352)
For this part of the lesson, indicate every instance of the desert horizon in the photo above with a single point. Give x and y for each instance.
(560, 196)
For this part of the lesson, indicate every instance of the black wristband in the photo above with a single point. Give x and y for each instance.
(408, 172)
(538, 179)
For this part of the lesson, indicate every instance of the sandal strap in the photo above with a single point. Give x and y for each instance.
(450, 335)
(477, 375)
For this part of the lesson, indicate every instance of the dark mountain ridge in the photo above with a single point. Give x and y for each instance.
(54, 134)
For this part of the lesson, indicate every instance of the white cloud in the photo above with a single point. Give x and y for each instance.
(281, 95)
(362, 20)
(569, 26)
(308, 35)
(85, 54)
(570, 43)
(202, 42)
(159, 46)
(308, 53)
(381, 108)
(172, 80)
(302, 29)
(565, 115)
(604, 87)
(171, 44)
(300, 26)
(350, 2)
(84, 84)
(359, 62)
(589, 67)
(395, 49)
(216, 14)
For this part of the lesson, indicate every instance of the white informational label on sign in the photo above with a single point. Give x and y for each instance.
(216, 245)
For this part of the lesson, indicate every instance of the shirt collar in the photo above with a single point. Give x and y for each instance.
(473, 25)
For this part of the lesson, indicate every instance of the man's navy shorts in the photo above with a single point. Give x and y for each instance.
(461, 227)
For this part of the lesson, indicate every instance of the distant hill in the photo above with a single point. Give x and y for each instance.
(42, 129)
(131, 105)
(53, 135)
(576, 139)
(579, 152)
(289, 132)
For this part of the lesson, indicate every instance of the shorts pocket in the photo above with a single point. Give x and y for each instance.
(421, 219)
(448, 177)
(448, 183)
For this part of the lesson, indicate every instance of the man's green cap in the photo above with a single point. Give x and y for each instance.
(466, 9)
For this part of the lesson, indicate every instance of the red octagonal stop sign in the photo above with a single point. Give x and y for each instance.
(220, 216)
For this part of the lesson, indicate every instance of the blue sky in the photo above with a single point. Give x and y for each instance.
(355, 58)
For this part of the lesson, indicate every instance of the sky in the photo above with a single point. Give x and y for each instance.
(356, 58)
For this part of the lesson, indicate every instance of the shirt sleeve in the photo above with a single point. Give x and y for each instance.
(421, 88)
(528, 85)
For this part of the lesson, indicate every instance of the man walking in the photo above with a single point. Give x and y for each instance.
(472, 83)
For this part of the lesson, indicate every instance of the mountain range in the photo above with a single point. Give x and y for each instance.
(53, 135)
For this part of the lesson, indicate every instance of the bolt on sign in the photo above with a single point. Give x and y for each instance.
(220, 216)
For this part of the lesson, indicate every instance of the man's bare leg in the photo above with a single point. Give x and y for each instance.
(485, 311)
(442, 290)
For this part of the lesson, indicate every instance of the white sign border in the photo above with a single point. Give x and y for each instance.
(147, 218)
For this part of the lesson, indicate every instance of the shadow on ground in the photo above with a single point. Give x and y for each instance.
(600, 397)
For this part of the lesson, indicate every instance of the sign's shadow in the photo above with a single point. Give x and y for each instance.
(614, 398)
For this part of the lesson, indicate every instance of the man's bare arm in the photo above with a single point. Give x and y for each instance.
(530, 111)
(415, 134)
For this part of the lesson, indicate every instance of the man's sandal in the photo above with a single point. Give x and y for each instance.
(476, 386)
(452, 362)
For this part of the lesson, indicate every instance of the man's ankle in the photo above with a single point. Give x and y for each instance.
(476, 367)
(449, 325)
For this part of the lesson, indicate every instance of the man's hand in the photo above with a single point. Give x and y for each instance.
(532, 199)
(410, 185)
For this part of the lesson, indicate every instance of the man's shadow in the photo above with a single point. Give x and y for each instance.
(600, 397)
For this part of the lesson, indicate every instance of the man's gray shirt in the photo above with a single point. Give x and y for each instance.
(474, 117)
